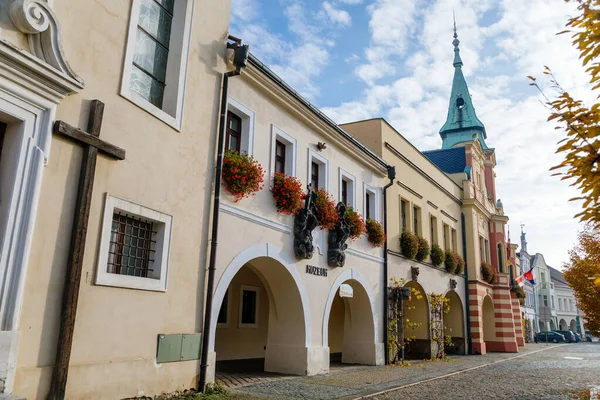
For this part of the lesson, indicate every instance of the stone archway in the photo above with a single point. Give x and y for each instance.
(417, 329)
(543, 326)
(573, 326)
(489, 325)
(562, 325)
(351, 333)
(552, 325)
(261, 316)
(454, 324)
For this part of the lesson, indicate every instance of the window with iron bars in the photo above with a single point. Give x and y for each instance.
(132, 246)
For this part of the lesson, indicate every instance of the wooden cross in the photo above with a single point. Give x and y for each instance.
(92, 144)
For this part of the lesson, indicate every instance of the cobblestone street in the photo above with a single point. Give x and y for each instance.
(537, 372)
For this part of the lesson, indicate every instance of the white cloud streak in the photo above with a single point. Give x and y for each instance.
(336, 15)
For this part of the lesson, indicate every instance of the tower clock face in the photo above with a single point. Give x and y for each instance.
(460, 103)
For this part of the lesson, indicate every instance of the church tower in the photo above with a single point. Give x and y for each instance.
(467, 159)
(462, 124)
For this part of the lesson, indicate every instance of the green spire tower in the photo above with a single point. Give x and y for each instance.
(462, 123)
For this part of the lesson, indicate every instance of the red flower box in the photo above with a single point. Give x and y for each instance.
(375, 233)
(355, 223)
(325, 210)
(288, 193)
(242, 174)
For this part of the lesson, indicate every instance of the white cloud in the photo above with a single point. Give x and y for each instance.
(390, 25)
(351, 2)
(352, 58)
(298, 55)
(243, 10)
(336, 15)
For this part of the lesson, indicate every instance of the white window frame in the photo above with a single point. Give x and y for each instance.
(348, 177)
(172, 111)
(247, 117)
(249, 289)
(323, 172)
(375, 207)
(290, 150)
(227, 298)
(161, 256)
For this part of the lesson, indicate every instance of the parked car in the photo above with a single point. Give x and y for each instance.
(590, 338)
(569, 336)
(578, 337)
(553, 337)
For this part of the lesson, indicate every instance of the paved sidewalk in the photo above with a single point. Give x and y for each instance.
(355, 381)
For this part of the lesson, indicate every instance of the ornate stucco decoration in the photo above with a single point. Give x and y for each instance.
(36, 19)
(337, 239)
(453, 284)
(304, 223)
(414, 272)
(45, 66)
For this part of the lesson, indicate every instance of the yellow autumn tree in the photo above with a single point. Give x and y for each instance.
(581, 123)
(584, 263)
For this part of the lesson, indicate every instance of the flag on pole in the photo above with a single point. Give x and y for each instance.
(529, 276)
(520, 280)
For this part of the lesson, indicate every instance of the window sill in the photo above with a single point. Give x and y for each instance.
(150, 108)
(131, 282)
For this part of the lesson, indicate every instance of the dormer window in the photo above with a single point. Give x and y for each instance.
(460, 103)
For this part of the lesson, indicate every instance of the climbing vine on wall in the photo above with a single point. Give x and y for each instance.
(440, 306)
(396, 312)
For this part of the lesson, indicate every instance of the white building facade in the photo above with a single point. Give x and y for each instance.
(528, 308)
(567, 312)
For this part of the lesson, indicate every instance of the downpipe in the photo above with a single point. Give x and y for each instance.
(391, 175)
(240, 58)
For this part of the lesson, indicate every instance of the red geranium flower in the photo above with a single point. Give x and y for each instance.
(242, 174)
(288, 193)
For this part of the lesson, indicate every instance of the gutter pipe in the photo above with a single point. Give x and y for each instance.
(391, 175)
(240, 51)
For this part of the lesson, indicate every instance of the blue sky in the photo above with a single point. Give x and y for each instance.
(358, 59)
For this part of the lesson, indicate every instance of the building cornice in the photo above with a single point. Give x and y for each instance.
(34, 75)
(423, 173)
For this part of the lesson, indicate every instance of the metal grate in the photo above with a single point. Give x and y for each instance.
(132, 241)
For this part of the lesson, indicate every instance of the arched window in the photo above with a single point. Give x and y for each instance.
(500, 258)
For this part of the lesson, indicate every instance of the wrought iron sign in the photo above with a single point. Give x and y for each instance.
(304, 223)
(337, 239)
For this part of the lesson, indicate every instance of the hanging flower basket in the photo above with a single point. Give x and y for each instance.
(437, 255)
(518, 290)
(423, 251)
(460, 268)
(487, 273)
(409, 244)
(325, 210)
(375, 233)
(242, 174)
(288, 193)
(355, 223)
(451, 261)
